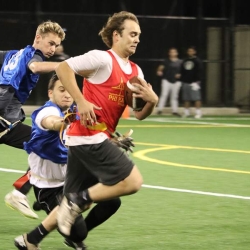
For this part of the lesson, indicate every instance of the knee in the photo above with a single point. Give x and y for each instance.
(136, 181)
(137, 185)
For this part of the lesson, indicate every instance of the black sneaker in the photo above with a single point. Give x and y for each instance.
(159, 112)
(77, 246)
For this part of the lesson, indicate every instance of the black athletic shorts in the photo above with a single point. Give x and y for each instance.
(48, 198)
(97, 163)
(17, 136)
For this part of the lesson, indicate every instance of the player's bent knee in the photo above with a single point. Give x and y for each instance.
(135, 187)
(135, 180)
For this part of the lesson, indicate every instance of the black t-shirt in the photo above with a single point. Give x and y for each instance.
(171, 69)
(191, 70)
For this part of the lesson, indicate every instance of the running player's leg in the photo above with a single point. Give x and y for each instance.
(17, 199)
(116, 173)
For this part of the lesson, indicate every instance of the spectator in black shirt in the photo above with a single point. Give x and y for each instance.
(191, 70)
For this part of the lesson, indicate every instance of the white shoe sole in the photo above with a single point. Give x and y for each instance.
(29, 214)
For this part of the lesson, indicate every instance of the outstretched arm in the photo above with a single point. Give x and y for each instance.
(42, 67)
(38, 66)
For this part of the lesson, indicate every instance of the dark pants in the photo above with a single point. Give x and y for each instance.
(17, 136)
(11, 110)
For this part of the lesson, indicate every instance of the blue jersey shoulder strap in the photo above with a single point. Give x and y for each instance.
(15, 72)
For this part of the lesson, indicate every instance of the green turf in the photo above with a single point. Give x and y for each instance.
(209, 155)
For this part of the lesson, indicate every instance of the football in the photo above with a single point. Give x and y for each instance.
(136, 104)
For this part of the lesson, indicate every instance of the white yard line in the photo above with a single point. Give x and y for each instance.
(187, 121)
(164, 188)
(11, 170)
(198, 192)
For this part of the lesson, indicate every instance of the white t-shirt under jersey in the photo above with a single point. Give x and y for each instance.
(45, 173)
(101, 62)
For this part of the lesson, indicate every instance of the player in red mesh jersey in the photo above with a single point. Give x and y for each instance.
(100, 105)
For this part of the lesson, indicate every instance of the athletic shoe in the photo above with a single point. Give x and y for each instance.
(77, 246)
(159, 112)
(67, 213)
(20, 204)
(22, 243)
(197, 116)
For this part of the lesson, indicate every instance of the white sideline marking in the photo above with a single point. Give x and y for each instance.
(164, 188)
(12, 170)
(187, 121)
(198, 192)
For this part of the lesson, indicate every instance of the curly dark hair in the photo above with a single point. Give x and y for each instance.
(115, 22)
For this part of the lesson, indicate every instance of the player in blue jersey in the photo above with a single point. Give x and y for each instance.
(47, 160)
(18, 76)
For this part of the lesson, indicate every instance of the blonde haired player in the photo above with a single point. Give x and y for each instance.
(18, 76)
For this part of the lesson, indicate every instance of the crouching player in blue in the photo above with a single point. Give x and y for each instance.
(48, 165)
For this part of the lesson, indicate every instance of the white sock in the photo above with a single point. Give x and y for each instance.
(186, 112)
(198, 112)
(18, 193)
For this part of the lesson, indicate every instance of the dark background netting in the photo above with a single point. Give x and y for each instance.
(158, 34)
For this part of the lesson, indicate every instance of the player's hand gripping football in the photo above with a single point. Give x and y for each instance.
(123, 141)
(145, 91)
(70, 115)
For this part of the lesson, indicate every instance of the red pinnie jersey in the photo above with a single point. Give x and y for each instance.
(110, 96)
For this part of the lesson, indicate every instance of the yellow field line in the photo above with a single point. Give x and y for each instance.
(141, 154)
(190, 147)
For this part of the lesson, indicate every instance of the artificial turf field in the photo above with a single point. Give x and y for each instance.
(196, 192)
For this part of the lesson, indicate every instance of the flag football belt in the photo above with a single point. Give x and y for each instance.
(7, 125)
(45, 179)
(98, 126)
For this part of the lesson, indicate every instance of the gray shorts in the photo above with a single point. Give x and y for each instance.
(188, 94)
(97, 163)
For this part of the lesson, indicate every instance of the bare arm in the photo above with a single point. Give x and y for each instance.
(85, 108)
(43, 67)
(67, 77)
(159, 71)
(53, 122)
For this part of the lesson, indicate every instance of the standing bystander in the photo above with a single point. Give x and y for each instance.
(170, 84)
(191, 74)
